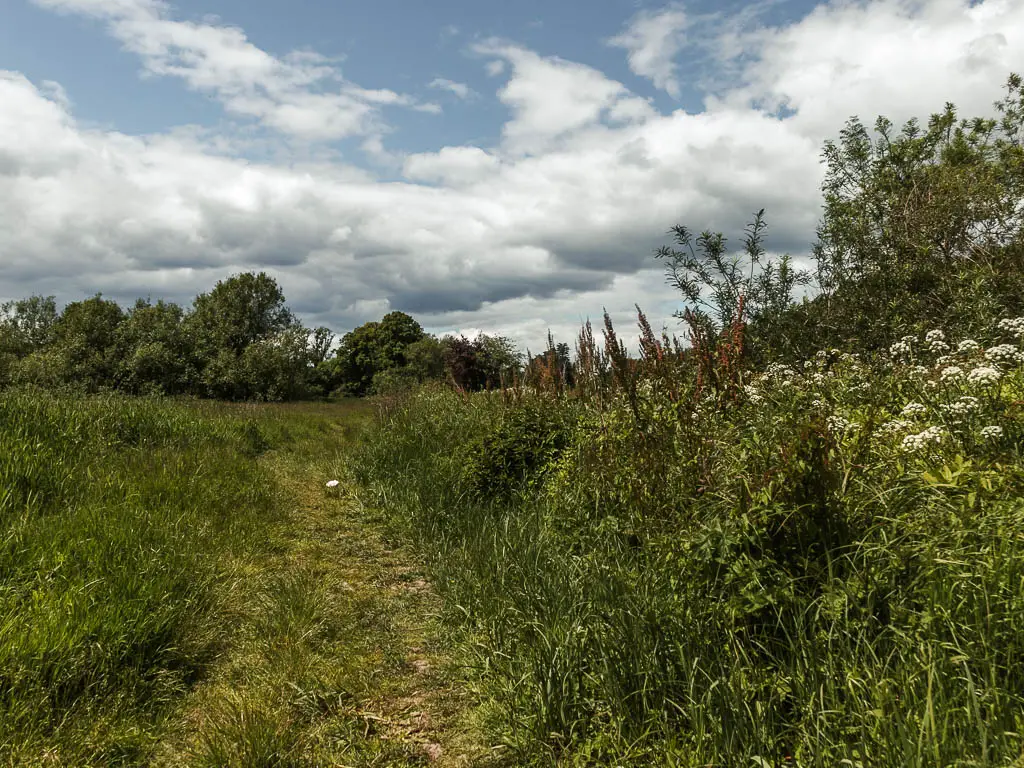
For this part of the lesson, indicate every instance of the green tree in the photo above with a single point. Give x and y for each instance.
(26, 325)
(85, 341)
(155, 352)
(920, 226)
(239, 311)
(374, 348)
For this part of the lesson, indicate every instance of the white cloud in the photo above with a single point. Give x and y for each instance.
(552, 99)
(544, 229)
(900, 58)
(461, 90)
(653, 39)
(301, 94)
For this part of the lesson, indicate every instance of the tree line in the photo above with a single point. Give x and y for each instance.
(239, 341)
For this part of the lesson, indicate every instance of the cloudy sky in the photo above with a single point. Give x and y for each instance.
(481, 164)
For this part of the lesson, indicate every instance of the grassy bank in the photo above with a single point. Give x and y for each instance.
(179, 588)
(825, 567)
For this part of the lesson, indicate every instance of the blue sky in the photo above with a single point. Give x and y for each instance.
(499, 166)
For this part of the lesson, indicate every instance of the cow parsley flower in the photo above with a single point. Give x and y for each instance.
(943, 360)
(900, 349)
(992, 433)
(914, 409)
(918, 370)
(1003, 353)
(968, 347)
(935, 335)
(895, 426)
(838, 423)
(962, 407)
(1013, 325)
(984, 375)
(951, 373)
(922, 440)
(938, 347)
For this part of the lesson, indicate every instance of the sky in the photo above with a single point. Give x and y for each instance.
(483, 165)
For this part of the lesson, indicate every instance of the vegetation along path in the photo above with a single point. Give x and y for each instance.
(332, 657)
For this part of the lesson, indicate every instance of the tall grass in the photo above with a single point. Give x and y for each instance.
(114, 516)
(787, 569)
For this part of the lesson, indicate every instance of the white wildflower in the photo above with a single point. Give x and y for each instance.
(951, 373)
(968, 347)
(895, 426)
(991, 433)
(900, 349)
(944, 360)
(914, 409)
(818, 378)
(984, 374)
(935, 335)
(918, 370)
(838, 423)
(938, 347)
(1003, 353)
(962, 407)
(921, 440)
(1013, 325)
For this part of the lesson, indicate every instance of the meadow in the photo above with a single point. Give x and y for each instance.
(821, 566)
(178, 587)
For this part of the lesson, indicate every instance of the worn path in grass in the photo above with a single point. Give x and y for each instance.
(330, 654)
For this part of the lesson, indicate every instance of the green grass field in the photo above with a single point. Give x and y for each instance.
(179, 587)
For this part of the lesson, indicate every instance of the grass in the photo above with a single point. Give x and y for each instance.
(784, 577)
(177, 587)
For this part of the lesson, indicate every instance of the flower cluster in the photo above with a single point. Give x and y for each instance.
(965, 406)
(992, 433)
(895, 426)
(914, 409)
(968, 347)
(951, 373)
(984, 375)
(1013, 325)
(838, 424)
(921, 441)
(1004, 353)
(902, 348)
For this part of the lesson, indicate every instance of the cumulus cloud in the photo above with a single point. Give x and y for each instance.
(302, 94)
(552, 99)
(461, 90)
(555, 221)
(652, 40)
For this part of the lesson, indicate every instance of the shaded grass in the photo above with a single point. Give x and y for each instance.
(737, 587)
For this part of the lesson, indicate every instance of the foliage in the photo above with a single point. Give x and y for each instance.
(485, 362)
(792, 543)
(373, 348)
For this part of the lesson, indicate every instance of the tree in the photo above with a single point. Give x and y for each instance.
(913, 219)
(26, 325)
(154, 350)
(239, 311)
(243, 310)
(85, 339)
(373, 348)
(483, 363)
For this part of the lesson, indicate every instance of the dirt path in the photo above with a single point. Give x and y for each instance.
(331, 654)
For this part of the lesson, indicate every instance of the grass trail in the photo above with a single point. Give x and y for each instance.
(331, 654)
